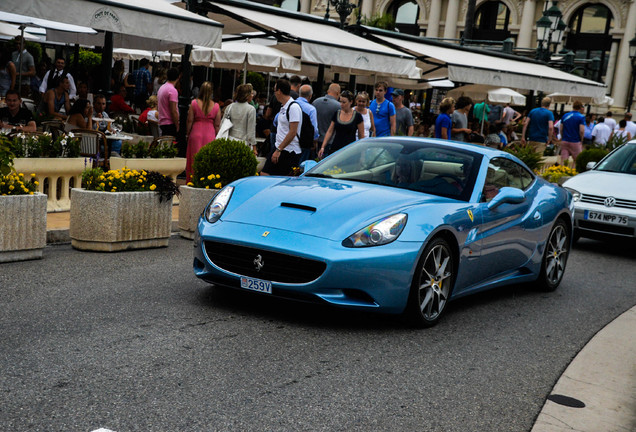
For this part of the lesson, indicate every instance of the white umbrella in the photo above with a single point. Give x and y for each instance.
(493, 94)
(136, 54)
(242, 55)
(568, 99)
(13, 31)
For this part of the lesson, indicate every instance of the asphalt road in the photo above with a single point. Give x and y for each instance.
(132, 341)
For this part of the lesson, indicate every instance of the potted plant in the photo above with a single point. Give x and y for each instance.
(22, 211)
(121, 209)
(55, 161)
(558, 174)
(217, 164)
(143, 156)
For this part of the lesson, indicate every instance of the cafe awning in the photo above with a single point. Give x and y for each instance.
(150, 19)
(444, 60)
(312, 38)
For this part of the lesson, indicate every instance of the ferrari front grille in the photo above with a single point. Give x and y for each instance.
(263, 264)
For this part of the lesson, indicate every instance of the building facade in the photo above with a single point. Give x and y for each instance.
(595, 29)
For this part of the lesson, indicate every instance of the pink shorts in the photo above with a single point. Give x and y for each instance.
(570, 148)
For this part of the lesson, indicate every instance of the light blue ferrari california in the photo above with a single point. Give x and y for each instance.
(395, 225)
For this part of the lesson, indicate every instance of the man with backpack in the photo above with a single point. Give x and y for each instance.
(286, 154)
(383, 111)
(309, 129)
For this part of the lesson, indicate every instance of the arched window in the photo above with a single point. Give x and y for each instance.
(491, 21)
(406, 14)
(589, 34)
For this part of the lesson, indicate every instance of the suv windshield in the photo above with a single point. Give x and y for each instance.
(622, 160)
(415, 165)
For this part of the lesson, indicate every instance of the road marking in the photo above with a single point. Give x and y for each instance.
(103, 430)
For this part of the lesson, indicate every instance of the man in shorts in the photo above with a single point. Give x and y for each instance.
(540, 126)
(572, 132)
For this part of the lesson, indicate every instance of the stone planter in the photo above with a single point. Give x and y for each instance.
(61, 174)
(191, 205)
(116, 221)
(22, 227)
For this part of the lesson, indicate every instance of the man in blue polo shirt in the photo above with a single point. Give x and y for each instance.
(383, 111)
(572, 132)
(540, 126)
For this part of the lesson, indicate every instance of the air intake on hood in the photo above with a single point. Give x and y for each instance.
(298, 206)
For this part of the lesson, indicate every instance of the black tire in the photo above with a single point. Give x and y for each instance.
(555, 257)
(432, 284)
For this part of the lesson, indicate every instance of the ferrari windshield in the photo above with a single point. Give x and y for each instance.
(623, 160)
(416, 165)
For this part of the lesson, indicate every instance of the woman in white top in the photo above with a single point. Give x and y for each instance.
(621, 132)
(362, 102)
(243, 116)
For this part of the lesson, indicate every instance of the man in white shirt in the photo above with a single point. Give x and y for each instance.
(56, 72)
(631, 126)
(601, 132)
(610, 121)
(287, 152)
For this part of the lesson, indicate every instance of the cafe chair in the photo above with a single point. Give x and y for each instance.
(93, 144)
(162, 142)
(154, 129)
(54, 127)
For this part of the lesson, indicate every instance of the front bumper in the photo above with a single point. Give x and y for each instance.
(600, 229)
(373, 278)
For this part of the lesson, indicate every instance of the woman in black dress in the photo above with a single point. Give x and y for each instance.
(344, 124)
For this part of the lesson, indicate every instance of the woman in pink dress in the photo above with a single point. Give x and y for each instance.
(203, 123)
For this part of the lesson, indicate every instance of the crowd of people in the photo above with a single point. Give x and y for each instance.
(292, 126)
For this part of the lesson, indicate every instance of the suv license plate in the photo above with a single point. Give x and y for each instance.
(256, 285)
(605, 217)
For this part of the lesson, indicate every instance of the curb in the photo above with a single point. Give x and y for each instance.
(63, 236)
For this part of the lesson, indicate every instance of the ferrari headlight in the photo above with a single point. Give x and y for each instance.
(378, 233)
(576, 195)
(215, 209)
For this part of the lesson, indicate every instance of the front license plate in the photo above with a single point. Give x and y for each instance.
(605, 217)
(256, 285)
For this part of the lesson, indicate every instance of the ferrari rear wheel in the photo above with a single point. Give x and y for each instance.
(432, 284)
(555, 257)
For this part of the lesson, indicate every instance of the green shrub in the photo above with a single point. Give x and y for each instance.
(590, 155)
(527, 154)
(141, 150)
(221, 162)
(616, 141)
(44, 145)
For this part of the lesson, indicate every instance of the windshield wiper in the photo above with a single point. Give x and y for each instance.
(320, 175)
(363, 181)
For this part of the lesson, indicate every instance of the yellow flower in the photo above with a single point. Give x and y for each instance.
(152, 187)
(102, 185)
(30, 193)
(207, 187)
(32, 174)
(211, 176)
(218, 186)
(21, 175)
(36, 183)
(218, 176)
(201, 179)
(190, 184)
(11, 187)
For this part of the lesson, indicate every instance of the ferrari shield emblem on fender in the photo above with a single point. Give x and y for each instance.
(470, 215)
(265, 234)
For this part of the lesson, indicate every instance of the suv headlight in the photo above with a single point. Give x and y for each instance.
(378, 233)
(215, 209)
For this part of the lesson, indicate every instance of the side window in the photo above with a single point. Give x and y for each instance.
(504, 173)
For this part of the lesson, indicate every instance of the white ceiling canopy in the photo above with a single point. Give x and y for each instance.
(152, 19)
(314, 39)
(464, 65)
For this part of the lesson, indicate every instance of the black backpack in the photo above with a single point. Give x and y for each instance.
(306, 136)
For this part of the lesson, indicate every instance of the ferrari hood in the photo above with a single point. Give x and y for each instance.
(326, 208)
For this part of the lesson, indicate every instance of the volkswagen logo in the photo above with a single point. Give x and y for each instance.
(259, 263)
(610, 202)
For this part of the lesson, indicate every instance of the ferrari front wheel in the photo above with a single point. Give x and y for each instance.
(432, 284)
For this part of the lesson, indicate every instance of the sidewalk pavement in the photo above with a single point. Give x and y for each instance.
(596, 393)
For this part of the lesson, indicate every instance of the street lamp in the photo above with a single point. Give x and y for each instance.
(632, 56)
(550, 28)
(343, 7)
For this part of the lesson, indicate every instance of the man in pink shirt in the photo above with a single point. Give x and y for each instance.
(167, 104)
